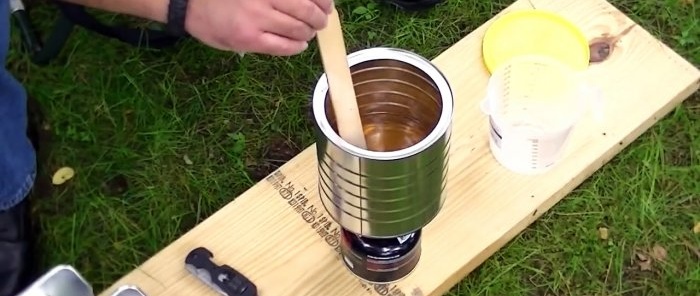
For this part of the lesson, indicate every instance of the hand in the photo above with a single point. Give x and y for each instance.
(274, 27)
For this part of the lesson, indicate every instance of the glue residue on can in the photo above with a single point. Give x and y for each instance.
(380, 260)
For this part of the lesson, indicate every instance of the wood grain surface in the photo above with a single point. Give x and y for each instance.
(289, 249)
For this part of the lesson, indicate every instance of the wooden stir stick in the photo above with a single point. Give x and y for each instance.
(340, 86)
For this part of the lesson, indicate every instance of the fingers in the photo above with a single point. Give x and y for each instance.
(289, 27)
(274, 27)
(307, 11)
(279, 46)
(325, 5)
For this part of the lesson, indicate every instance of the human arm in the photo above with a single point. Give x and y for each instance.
(275, 27)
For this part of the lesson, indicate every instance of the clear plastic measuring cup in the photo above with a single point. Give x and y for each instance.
(533, 103)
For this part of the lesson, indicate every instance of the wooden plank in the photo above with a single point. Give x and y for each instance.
(263, 236)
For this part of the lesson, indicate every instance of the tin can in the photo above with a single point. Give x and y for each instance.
(396, 185)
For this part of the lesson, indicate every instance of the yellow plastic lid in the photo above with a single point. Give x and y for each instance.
(534, 32)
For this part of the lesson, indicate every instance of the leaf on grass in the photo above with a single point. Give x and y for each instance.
(645, 265)
(643, 261)
(360, 10)
(62, 175)
(238, 142)
(641, 257)
(696, 228)
(187, 159)
(692, 248)
(646, 259)
(603, 233)
(688, 2)
(659, 253)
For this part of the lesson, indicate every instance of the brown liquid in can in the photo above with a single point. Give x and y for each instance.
(399, 106)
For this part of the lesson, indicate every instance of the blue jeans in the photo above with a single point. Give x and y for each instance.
(17, 156)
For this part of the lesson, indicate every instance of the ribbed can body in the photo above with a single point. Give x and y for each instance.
(396, 185)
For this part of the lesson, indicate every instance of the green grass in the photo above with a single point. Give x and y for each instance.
(125, 119)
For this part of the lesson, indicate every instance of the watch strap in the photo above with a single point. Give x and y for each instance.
(177, 13)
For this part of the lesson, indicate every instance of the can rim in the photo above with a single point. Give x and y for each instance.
(387, 53)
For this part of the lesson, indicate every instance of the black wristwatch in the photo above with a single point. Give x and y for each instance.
(177, 12)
